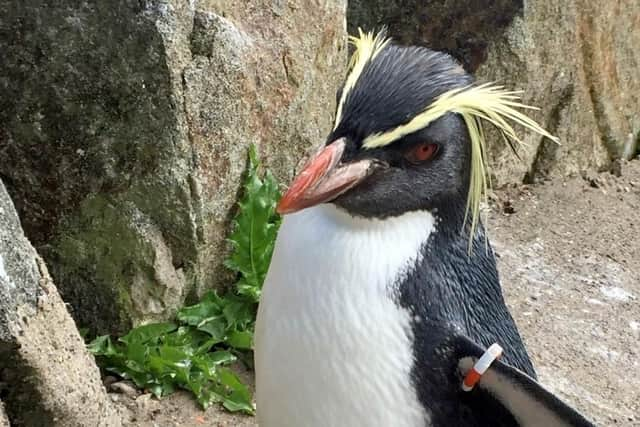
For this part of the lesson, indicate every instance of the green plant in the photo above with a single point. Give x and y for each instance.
(194, 352)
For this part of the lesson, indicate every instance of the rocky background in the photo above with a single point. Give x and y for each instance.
(124, 127)
(577, 60)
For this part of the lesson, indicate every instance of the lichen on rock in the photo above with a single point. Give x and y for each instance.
(124, 130)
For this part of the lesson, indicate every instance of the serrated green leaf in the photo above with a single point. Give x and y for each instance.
(254, 229)
(189, 339)
(102, 346)
(221, 357)
(158, 366)
(215, 326)
(209, 397)
(157, 390)
(210, 305)
(137, 352)
(173, 354)
(145, 333)
(205, 366)
(240, 398)
(238, 312)
(240, 339)
(135, 366)
(197, 381)
(251, 292)
(236, 404)
(206, 346)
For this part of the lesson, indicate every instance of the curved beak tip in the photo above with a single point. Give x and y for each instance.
(322, 179)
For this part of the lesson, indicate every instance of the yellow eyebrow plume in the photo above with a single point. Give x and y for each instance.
(485, 102)
(367, 48)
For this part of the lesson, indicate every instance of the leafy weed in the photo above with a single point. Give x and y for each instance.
(193, 353)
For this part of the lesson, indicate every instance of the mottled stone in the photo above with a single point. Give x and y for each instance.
(4, 420)
(124, 128)
(577, 60)
(49, 377)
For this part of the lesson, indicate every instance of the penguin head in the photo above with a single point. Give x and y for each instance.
(407, 135)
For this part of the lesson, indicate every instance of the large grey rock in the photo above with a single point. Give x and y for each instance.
(49, 376)
(124, 128)
(578, 60)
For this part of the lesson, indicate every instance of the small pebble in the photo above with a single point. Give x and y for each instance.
(108, 380)
(124, 387)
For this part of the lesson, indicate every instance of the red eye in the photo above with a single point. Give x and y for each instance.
(421, 152)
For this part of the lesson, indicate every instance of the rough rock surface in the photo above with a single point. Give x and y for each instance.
(4, 421)
(124, 128)
(578, 60)
(47, 376)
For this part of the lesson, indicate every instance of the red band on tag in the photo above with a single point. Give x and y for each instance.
(470, 380)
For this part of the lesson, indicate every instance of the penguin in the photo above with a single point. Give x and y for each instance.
(382, 297)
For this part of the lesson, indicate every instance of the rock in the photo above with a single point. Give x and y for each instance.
(52, 378)
(124, 129)
(263, 77)
(4, 421)
(107, 380)
(577, 60)
(128, 388)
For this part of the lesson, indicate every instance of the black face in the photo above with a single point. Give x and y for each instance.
(424, 170)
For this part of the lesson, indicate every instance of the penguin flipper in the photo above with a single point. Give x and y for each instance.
(529, 403)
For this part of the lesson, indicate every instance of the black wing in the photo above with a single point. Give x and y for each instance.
(503, 388)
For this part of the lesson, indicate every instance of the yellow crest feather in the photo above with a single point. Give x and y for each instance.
(367, 47)
(486, 102)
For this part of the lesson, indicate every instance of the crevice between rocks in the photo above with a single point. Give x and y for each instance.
(465, 29)
(600, 115)
(546, 152)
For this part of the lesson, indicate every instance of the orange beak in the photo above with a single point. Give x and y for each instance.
(323, 178)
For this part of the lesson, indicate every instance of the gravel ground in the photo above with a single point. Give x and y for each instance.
(568, 257)
(567, 253)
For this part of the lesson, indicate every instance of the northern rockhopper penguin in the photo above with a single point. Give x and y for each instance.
(382, 291)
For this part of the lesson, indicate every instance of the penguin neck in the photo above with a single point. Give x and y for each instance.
(464, 271)
(460, 280)
(327, 241)
(460, 289)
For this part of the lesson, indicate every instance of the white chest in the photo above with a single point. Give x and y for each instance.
(332, 346)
